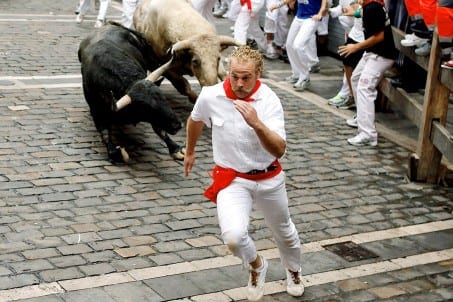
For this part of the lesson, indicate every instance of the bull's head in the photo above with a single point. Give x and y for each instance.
(202, 54)
(152, 77)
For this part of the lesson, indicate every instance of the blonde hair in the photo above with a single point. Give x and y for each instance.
(246, 53)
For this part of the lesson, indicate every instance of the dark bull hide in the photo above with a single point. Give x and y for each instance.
(114, 63)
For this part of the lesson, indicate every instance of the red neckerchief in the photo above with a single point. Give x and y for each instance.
(381, 2)
(223, 177)
(231, 95)
(248, 2)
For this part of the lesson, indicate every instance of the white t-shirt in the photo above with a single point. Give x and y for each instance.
(235, 144)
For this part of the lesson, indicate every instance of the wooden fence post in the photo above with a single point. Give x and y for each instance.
(424, 166)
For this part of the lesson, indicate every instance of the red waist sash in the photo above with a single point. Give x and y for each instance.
(222, 177)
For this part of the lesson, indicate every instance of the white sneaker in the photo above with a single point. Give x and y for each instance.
(352, 122)
(362, 140)
(255, 287)
(79, 18)
(294, 285)
(99, 23)
(315, 68)
(413, 40)
(423, 50)
(292, 79)
(336, 100)
(220, 12)
(271, 52)
(301, 85)
(346, 104)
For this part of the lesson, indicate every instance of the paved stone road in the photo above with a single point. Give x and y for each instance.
(75, 227)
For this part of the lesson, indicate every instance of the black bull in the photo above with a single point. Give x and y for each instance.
(114, 63)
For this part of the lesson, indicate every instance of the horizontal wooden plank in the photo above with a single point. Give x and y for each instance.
(446, 78)
(409, 52)
(443, 140)
(403, 101)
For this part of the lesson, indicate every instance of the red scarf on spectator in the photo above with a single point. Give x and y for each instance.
(366, 2)
(248, 2)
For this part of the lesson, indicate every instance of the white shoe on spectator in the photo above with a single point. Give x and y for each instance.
(79, 18)
(220, 12)
(413, 40)
(271, 52)
(315, 68)
(301, 85)
(423, 50)
(362, 140)
(99, 23)
(352, 122)
(336, 100)
(292, 79)
(347, 104)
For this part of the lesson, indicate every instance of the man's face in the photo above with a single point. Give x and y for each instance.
(243, 77)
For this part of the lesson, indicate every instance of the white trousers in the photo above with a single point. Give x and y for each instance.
(234, 206)
(205, 8)
(344, 90)
(234, 8)
(364, 80)
(127, 16)
(323, 26)
(247, 25)
(84, 6)
(301, 46)
(277, 22)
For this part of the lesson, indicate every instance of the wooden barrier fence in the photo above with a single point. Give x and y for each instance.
(435, 142)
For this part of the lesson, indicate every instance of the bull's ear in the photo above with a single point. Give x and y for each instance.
(123, 102)
(226, 41)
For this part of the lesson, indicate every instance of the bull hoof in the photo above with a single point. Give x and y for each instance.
(118, 154)
(179, 154)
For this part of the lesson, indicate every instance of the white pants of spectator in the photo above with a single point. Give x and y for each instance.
(323, 26)
(234, 206)
(205, 8)
(344, 90)
(277, 22)
(128, 13)
(364, 80)
(84, 6)
(247, 25)
(234, 8)
(301, 46)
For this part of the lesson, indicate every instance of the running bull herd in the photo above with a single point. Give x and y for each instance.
(122, 69)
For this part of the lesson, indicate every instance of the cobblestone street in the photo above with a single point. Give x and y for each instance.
(76, 227)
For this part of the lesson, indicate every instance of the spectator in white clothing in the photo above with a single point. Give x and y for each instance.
(84, 6)
(129, 7)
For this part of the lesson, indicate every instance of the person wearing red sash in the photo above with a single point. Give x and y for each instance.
(248, 137)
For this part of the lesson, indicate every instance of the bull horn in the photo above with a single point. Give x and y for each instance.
(181, 45)
(226, 41)
(123, 102)
(153, 76)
